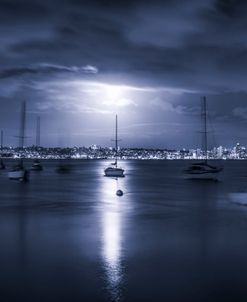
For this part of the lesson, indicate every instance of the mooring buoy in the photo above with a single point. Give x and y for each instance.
(119, 193)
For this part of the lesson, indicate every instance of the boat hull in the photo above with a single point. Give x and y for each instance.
(202, 171)
(2, 165)
(206, 176)
(37, 167)
(20, 175)
(114, 172)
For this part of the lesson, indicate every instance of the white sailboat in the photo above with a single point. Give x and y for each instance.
(18, 172)
(114, 170)
(203, 170)
(37, 166)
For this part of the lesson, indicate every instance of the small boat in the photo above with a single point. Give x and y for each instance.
(2, 165)
(36, 166)
(114, 170)
(203, 170)
(18, 172)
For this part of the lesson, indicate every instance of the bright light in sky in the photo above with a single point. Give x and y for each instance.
(113, 92)
(79, 96)
(115, 95)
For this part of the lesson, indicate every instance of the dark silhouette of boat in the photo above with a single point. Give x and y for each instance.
(203, 170)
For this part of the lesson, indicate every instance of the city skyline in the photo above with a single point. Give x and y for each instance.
(98, 152)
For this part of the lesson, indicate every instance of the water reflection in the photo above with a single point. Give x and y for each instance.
(112, 237)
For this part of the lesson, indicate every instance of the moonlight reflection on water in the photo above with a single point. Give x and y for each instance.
(112, 219)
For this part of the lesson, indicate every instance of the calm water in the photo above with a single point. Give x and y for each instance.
(68, 237)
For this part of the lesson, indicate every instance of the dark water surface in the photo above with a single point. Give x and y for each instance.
(68, 237)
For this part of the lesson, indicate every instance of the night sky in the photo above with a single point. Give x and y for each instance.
(78, 63)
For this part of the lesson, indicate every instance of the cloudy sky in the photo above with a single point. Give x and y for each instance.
(78, 63)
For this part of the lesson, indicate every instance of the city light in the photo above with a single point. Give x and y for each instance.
(237, 152)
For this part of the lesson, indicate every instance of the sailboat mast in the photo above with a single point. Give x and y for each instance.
(205, 130)
(116, 140)
(38, 132)
(23, 125)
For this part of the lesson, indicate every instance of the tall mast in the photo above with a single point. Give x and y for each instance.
(38, 132)
(23, 125)
(116, 140)
(205, 130)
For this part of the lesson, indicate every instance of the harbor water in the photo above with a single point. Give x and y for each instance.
(69, 237)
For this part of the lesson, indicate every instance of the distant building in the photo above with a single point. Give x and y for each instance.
(219, 152)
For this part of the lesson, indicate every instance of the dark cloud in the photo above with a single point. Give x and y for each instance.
(21, 9)
(229, 8)
(193, 47)
(46, 69)
(179, 44)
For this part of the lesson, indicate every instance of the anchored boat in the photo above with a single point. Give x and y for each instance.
(114, 170)
(203, 170)
(37, 166)
(18, 171)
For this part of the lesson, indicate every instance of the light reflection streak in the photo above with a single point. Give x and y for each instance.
(112, 219)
